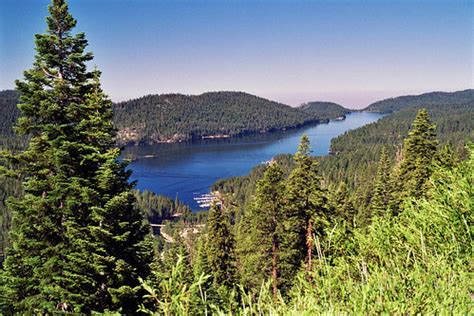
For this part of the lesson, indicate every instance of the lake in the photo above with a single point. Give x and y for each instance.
(187, 170)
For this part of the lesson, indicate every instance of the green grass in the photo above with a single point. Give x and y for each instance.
(417, 263)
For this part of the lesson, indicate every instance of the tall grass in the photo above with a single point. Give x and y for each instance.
(420, 262)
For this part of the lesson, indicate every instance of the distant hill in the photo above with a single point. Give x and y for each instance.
(422, 100)
(324, 110)
(8, 116)
(357, 152)
(8, 111)
(177, 117)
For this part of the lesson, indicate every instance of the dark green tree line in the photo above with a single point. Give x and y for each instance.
(78, 242)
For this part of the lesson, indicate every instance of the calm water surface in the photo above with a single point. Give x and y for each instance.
(187, 170)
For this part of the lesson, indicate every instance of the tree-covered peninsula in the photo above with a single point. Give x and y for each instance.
(325, 110)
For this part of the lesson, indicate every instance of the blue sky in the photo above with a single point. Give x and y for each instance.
(352, 52)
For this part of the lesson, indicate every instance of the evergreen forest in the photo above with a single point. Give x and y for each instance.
(382, 225)
(325, 110)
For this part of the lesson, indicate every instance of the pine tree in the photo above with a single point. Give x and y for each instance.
(446, 157)
(343, 207)
(260, 231)
(78, 242)
(382, 189)
(305, 213)
(415, 169)
(220, 247)
(201, 263)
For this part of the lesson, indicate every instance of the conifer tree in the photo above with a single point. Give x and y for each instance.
(343, 207)
(78, 242)
(305, 212)
(260, 231)
(382, 189)
(201, 263)
(446, 157)
(215, 257)
(415, 169)
(220, 247)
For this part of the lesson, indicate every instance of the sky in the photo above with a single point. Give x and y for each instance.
(350, 52)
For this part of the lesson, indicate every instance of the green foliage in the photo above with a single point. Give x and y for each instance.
(383, 187)
(324, 110)
(358, 151)
(220, 247)
(348, 276)
(8, 141)
(431, 98)
(176, 117)
(9, 110)
(158, 208)
(416, 263)
(78, 242)
(343, 208)
(259, 234)
(446, 157)
(305, 213)
(419, 149)
(174, 295)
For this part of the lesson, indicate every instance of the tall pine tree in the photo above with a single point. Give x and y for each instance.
(220, 247)
(344, 209)
(305, 213)
(260, 231)
(416, 167)
(382, 189)
(78, 242)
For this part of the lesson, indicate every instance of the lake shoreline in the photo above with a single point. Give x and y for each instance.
(220, 137)
(180, 138)
(187, 170)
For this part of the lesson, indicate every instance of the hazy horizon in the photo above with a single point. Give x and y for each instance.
(352, 53)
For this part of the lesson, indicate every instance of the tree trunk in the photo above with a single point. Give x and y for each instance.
(274, 267)
(309, 244)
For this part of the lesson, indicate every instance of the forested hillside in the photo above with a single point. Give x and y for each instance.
(356, 153)
(9, 111)
(300, 245)
(8, 116)
(8, 140)
(324, 110)
(422, 100)
(177, 117)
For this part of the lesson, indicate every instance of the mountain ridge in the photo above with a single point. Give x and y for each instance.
(427, 99)
(180, 117)
(175, 117)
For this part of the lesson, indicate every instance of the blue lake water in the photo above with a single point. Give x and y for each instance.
(188, 170)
